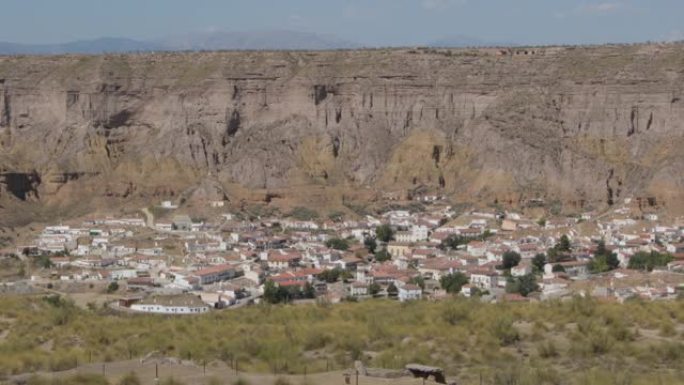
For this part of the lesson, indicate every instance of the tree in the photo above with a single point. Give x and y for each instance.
(371, 244)
(599, 265)
(603, 260)
(384, 233)
(309, 291)
(648, 261)
(42, 261)
(392, 290)
(112, 287)
(522, 285)
(612, 261)
(510, 259)
(337, 244)
(601, 248)
(453, 283)
(274, 294)
(558, 268)
(538, 262)
(564, 244)
(553, 255)
(374, 288)
(331, 276)
(453, 241)
(418, 281)
(382, 255)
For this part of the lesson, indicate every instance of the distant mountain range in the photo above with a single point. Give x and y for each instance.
(459, 41)
(214, 40)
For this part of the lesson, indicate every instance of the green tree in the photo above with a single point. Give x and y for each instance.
(371, 244)
(384, 233)
(599, 265)
(510, 259)
(392, 290)
(558, 268)
(374, 289)
(309, 291)
(648, 261)
(603, 260)
(337, 244)
(453, 241)
(274, 293)
(382, 255)
(601, 248)
(331, 276)
(538, 262)
(453, 282)
(564, 244)
(553, 255)
(418, 281)
(112, 287)
(612, 261)
(271, 292)
(522, 285)
(43, 261)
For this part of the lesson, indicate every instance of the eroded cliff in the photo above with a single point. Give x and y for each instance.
(580, 125)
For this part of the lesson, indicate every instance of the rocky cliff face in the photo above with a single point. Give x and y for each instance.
(580, 125)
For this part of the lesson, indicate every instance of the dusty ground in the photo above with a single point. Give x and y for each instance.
(193, 374)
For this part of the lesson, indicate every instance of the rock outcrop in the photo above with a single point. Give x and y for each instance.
(585, 126)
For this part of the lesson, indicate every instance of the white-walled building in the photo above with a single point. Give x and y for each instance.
(172, 304)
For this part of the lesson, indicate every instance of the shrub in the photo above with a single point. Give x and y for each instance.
(171, 381)
(303, 214)
(281, 381)
(504, 331)
(547, 349)
(130, 379)
(112, 287)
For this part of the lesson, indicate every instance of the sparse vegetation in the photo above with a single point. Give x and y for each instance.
(303, 214)
(465, 337)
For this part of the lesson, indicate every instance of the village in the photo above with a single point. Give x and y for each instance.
(424, 251)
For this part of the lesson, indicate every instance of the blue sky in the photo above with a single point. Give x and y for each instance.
(370, 22)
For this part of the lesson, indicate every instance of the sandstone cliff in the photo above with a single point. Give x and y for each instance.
(580, 125)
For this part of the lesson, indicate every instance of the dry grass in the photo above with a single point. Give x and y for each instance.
(534, 342)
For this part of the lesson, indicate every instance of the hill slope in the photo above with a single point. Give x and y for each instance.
(586, 126)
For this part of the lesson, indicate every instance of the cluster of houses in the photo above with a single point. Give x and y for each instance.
(187, 267)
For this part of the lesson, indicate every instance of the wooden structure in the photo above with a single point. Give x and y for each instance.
(425, 372)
